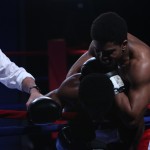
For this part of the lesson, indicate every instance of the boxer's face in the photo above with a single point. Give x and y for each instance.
(109, 53)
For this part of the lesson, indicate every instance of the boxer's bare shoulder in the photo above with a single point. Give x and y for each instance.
(135, 43)
(68, 90)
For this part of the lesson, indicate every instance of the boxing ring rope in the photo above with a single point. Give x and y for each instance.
(26, 53)
(32, 129)
(37, 128)
(43, 53)
(56, 54)
(18, 111)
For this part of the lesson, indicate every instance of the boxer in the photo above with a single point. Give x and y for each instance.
(81, 130)
(94, 65)
(91, 94)
(75, 91)
(113, 45)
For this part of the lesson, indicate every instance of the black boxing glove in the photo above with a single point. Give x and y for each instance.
(43, 110)
(116, 81)
(93, 65)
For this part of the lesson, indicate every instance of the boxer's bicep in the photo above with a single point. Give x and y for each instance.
(54, 95)
(68, 90)
(139, 92)
(140, 85)
(134, 104)
(139, 98)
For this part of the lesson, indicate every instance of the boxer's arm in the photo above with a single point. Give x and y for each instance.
(54, 95)
(133, 105)
(77, 65)
(137, 136)
(67, 92)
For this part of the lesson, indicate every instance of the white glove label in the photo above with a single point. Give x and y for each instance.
(117, 81)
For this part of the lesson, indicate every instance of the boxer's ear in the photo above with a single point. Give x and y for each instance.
(124, 46)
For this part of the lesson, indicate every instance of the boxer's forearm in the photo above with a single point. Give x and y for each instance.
(53, 94)
(77, 65)
(126, 104)
(129, 112)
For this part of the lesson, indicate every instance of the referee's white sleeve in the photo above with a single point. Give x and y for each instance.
(10, 74)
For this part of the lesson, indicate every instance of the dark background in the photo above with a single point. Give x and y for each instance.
(28, 25)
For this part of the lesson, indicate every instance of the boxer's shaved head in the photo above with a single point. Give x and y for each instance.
(97, 94)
